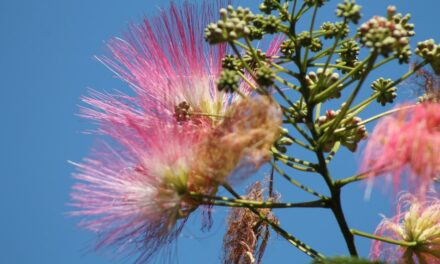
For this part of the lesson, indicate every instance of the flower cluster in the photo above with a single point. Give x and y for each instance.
(350, 133)
(386, 92)
(430, 51)
(386, 35)
(321, 80)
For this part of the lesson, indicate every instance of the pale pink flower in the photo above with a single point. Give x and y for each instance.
(416, 221)
(134, 197)
(170, 68)
(168, 64)
(405, 147)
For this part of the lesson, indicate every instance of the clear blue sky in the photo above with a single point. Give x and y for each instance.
(46, 64)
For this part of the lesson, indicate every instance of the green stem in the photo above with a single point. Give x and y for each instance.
(384, 239)
(300, 143)
(296, 183)
(299, 161)
(359, 177)
(225, 201)
(333, 152)
(294, 166)
(312, 24)
(371, 119)
(326, 51)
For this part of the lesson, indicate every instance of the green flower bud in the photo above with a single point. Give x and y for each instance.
(304, 39)
(349, 133)
(388, 35)
(321, 80)
(230, 62)
(430, 51)
(265, 76)
(229, 81)
(288, 48)
(316, 45)
(234, 24)
(349, 10)
(331, 30)
(387, 93)
(269, 5)
(349, 55)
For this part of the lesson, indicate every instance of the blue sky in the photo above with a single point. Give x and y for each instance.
(46, 64)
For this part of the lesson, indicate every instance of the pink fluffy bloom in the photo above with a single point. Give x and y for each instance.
(171, 69)
(416, 222)
(168, 65)
(134, 197)
(406, 145)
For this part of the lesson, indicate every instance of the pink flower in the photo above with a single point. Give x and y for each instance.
(171, 69)
(416, 222)
(134, 197)
(406, 147)
(168, 65)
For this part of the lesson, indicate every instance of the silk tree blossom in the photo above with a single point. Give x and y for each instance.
(169, 67)
(416, 222)
(167, 64)
(405, 147)
(135, 197)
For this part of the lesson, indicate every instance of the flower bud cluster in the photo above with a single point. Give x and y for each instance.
(265, 76)
(350, 132)
(321, 80)
(387, 93)
(332, 30)
(229, 81)
(230, 62)
(298, 112)
(349, 55)
(287, 48)
(430, 51)
(349, 10)
(304, 39)
(268, 24)
(234, 24)
(386, 36)
(269, 5)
